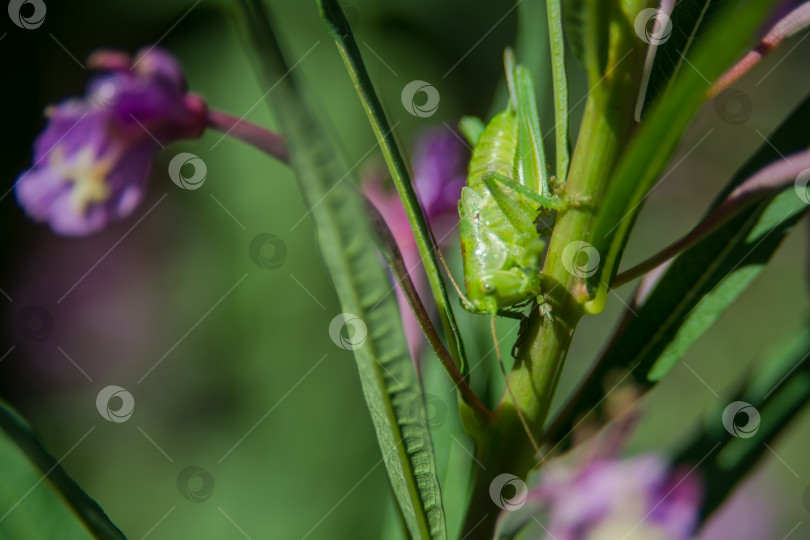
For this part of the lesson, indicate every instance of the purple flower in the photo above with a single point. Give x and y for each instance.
(92, 161)
(440, 171)
(639, 498)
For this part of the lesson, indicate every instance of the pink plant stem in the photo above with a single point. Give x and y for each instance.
(770, 180)
(794, 22)
(263, 139)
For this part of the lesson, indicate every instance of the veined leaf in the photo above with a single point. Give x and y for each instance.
(389, 381)
(776, 392)
(338, 26)
(657, 137)
(698, 285)
(37, 498)
(689, 20)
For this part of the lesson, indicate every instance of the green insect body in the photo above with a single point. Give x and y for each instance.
(507, 191)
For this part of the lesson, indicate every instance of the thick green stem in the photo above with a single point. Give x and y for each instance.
(504, 447)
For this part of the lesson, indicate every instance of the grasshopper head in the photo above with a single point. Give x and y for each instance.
(497, 290)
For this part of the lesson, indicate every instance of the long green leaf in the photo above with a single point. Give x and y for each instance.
(658, 136)
(560, 82)
(697, 286)
(690, 19)
(37, 498)
(388, 379)
(338, 26)
(778, 391)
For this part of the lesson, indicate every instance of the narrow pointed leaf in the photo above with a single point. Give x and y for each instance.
(338, 26)
(37, 498)
(560, 82)
(657, 138)
(689, 20)
(387, 375)
(697, 286)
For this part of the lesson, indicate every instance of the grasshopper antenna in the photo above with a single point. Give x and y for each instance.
(452, 279)
(509, 389)
(465, 302)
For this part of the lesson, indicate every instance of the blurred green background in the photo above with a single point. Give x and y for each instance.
(246, 382)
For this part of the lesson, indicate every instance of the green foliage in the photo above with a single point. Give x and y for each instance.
(40, 500)
(389, 381)
(698, 285)
(560, 82)
(690, 20)
(37, 497)
(658, 136)
(778, 391)
(339, 28)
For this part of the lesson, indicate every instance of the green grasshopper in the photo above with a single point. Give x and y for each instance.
(507, 194)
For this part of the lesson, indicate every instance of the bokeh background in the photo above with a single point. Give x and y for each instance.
(230, 364)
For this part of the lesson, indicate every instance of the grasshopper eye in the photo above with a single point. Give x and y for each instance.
(488, 287)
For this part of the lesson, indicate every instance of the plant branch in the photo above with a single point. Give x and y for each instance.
(606, 126)
(793, 23)
(256, 136)
(397, 265)
(339, 27)
(772, 179)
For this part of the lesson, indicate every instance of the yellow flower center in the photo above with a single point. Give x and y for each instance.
(88, 174)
